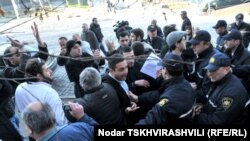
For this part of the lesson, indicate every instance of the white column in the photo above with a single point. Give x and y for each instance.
(41, 4)
(67, 3)
(15, 8)
(209, 8)
(50, 5)
(79, 4)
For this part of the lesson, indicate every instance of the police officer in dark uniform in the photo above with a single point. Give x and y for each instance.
(204, 50)
(227, 96)
(243, 27)
(175, 99)
(238, 54)
(221, 30)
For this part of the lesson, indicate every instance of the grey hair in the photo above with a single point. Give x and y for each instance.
(90, 78)
(39, 120)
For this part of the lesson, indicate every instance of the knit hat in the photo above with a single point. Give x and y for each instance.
(174, 37)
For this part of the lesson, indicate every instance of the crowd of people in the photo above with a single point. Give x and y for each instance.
(198, 83)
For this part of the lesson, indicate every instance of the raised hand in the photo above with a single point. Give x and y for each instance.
(15, 43)
(37, 35)
(110, 45)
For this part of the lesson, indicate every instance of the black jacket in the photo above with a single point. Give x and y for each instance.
(164, 51)
(157, 43)
(241, 57)
(226, 102)
(135, 74)
(186, 22)
(74, 69)
(61, 61)
(199, 75)
(243, 27)
(175, 104)
(97, 30)
(12, 71)
(122, 95)
(7, 105)
(7, 110)
(103, 105)
(7, 131)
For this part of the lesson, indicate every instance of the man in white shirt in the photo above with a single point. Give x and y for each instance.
(38, 88)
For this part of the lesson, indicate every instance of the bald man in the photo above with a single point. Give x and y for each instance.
(40, 124)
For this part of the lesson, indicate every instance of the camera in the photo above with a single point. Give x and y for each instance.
(66, 107)
(121, 26)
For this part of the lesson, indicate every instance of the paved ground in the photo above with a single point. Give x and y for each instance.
(72, 19)
(61, 83)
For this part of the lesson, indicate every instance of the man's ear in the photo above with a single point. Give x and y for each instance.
(28, 130)
(110, 70)
(163, 72)
(138, 38)
(176, 44)
(40, 77)
(11, 60)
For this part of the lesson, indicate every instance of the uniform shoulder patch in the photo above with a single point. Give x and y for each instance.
(162, 102)
(212, 60)
(226, 102)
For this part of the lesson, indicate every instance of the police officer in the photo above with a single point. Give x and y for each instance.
(243, 27)
(238, 54)
(175, 99)
(203, 48)
(221, 30)
(227, 96)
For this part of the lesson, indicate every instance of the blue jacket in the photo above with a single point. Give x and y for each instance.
(78, 131)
